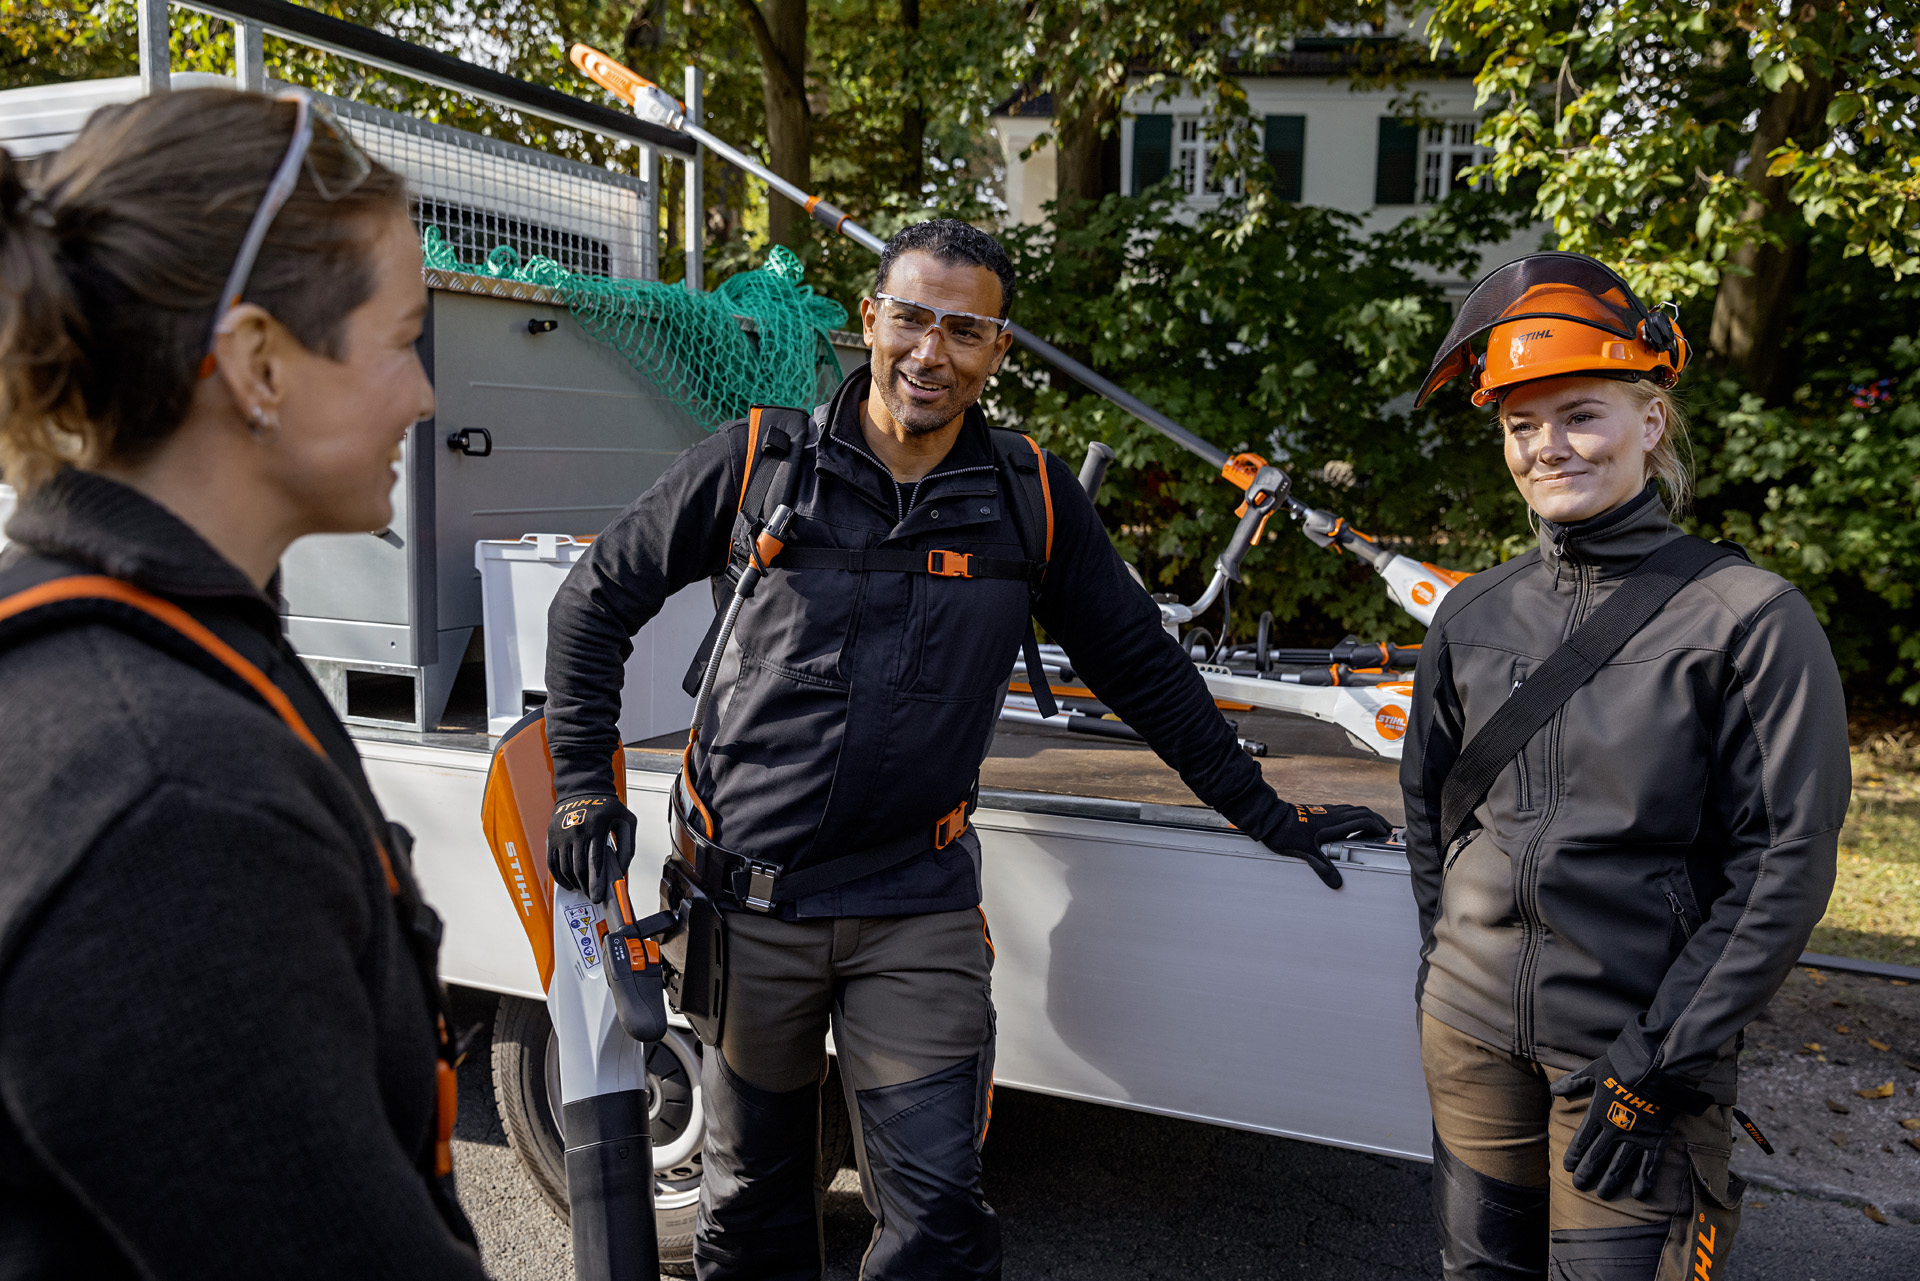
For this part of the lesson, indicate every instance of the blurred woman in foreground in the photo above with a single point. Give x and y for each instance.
(222, 1042)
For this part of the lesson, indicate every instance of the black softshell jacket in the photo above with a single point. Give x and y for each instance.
(856, 708)
(1645, 874)
(216, 1052)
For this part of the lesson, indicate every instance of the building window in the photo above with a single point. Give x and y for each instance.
(1285, 142)
(1449, 149)
(1197, 160)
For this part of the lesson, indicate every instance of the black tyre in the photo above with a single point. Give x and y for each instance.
(526, 1086)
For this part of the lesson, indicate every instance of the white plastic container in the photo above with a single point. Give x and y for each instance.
(518, 580)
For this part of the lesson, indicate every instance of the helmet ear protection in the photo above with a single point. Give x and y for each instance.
(1555, 315)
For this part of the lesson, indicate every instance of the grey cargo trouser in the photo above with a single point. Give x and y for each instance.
(1506, 1207)
(910, 1003)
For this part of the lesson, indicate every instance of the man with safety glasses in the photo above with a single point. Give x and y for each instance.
(824, 802)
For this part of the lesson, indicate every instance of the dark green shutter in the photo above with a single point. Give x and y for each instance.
(1397, 173)
(1286, 149)
(1152, 150)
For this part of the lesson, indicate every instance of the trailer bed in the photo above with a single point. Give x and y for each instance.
(1148, 955)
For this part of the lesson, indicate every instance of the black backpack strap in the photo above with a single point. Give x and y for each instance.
(940, 564)
(1654, 582)
(773, 436)
(1023, 472)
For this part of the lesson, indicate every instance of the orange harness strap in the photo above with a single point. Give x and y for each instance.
(103, 587)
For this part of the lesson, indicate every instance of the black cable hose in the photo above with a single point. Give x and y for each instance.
(1262, 656)
(1219, 654)
(1190, 641)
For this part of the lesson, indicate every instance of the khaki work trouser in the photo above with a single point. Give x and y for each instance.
(909, 1000)
(1501, 1187)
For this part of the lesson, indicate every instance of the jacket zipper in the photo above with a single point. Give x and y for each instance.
(1527, 875)
(1680, 914)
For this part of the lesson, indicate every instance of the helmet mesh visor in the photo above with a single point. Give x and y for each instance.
(1498, 298)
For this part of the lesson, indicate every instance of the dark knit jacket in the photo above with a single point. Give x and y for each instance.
(216, 1053)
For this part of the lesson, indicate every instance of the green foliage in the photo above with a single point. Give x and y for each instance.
(1638, 118)
(1290, 333)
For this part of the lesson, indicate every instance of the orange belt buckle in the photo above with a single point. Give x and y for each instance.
(949, 829)
(938, 564)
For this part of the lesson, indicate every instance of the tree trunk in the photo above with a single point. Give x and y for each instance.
(1750, 314)
(913, 117)
(779, 30)
(1080, 167)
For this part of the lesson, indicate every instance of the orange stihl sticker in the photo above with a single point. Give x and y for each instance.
(1423, 593)
(1621, 1115)
(1391, 722)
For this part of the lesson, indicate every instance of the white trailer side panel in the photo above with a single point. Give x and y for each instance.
(1170, 969)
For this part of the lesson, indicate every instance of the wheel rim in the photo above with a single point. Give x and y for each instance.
(676, 1119)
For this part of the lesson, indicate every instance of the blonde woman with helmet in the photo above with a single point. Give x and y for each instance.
(1625, 775)
(223, 1047)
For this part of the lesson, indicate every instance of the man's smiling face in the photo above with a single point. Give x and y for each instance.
(925, 379)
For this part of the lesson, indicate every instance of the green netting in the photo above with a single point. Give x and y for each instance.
(693, 345)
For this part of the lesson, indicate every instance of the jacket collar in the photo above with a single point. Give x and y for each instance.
(1612, 543)
(967, 468)
(85, 519)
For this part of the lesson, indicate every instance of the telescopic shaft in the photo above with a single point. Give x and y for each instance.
(652, 103)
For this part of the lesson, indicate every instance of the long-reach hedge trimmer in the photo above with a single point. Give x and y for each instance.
(1416, 587)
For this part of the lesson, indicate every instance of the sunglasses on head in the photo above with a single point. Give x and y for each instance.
(334, 171)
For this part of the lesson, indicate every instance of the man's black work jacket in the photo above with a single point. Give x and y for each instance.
(856, 708)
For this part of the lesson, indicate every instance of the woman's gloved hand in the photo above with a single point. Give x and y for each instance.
(1618, 1148)
(590, 843)
(1310, 825)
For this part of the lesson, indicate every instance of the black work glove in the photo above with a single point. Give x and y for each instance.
(1309, 826)
(1619, 1146)
(590, 843)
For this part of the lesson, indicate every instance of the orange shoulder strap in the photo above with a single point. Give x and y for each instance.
(101, 587)
(1046, 494)
(753, 449)
(120, 592)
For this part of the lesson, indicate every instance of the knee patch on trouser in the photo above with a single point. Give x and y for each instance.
(759, 1192)
(921, 1141)
(1692, 1244)
(1490, 1230)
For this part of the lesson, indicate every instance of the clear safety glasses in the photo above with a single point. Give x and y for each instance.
(335, 170)
(908, 321)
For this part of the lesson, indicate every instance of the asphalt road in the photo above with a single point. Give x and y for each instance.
(1089, 1193)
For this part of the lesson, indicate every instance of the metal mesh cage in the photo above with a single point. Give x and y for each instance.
(480, 193)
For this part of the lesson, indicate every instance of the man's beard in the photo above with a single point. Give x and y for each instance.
(918, 419)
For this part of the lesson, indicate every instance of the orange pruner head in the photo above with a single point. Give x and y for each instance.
(648, 100)
(1554, 315)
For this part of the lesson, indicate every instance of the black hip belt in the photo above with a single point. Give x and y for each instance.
(758, 885)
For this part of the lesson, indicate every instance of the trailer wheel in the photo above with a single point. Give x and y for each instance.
(526, 1085)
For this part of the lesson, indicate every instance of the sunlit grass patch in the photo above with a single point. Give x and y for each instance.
(1875, 911)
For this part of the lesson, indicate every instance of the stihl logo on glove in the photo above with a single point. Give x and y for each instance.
(576, 811)
(1627, 1107)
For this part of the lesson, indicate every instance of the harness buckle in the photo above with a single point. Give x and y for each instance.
(938, 564)
(760, 879)
(950, 827)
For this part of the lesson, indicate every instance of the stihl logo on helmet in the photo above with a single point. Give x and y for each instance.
(1612, 334)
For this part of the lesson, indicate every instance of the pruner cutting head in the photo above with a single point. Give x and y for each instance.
(649, 101)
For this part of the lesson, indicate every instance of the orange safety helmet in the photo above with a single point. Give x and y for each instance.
(1550, 315)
